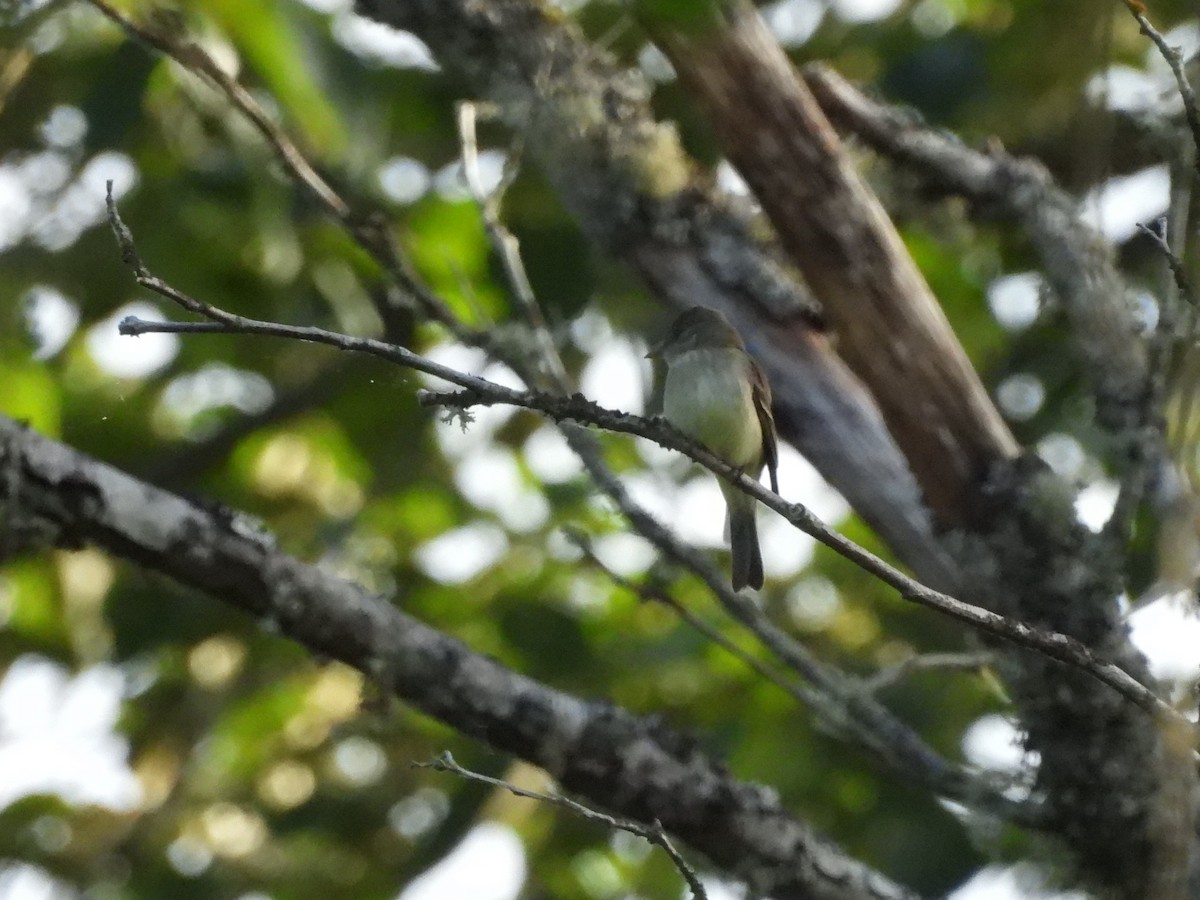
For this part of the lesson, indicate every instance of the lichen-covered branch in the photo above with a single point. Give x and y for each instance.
(53, 496)
(1078, 262)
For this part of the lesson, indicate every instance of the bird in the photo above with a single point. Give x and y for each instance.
(716, 394)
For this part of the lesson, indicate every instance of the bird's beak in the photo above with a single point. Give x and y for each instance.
(655, 351)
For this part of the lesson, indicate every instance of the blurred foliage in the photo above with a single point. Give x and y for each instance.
(261, 769)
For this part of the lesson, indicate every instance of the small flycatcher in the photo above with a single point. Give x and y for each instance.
(716, 394)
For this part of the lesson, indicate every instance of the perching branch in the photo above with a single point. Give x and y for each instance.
(577, 408)
(477, 391)
(1056, 646)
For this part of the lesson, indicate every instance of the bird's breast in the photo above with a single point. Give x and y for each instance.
(708, 396)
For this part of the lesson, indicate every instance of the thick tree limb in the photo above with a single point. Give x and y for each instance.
(51, 495)
(590, 127)
(1078, 262)
(1128, 832)
(890, 327)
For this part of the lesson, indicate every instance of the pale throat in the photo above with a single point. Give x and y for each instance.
(708, 395)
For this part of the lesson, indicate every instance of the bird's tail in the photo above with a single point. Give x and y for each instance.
(743, 540)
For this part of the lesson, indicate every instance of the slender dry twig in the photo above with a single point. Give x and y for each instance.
(1158, 237)
(925, 662)
(368, 229)
(193, 58)
(843, 707)
(650, 592)
(1146, 454)
(506, 245)
(1174, 59)
(653, 832)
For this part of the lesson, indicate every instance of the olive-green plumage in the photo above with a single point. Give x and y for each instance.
(716, 394)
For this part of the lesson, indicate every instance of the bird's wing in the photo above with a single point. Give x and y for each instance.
(762, 406)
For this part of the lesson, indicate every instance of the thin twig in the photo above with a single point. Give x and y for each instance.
(653, 832)
(925, 662)
(1158, 237)
(1175, 60)
(481, 392)
(368, 229)
(1147, 450)
(506, 245)
(193, 58)
(653, 593)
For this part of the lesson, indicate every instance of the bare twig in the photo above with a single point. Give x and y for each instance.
(1057, 646)
(193, 58)
(1174, 59)
(481, 392)
(1158, 236)
(368, 229)
(653, 832)
(925, 662)
(506, 246)
(654, 593)
(1146, 453)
